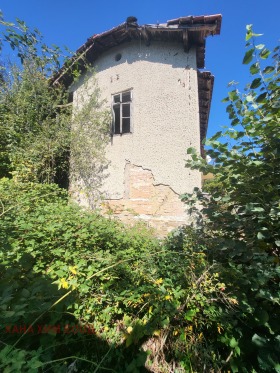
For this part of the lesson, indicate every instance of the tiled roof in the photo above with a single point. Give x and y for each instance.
(191, 31)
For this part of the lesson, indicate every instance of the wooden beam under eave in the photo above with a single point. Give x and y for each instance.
(132, 33)
(146, 35)
(186, 40)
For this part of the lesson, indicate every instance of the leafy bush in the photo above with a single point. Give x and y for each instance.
(37, 123)
(47, 242)
(83, 293)
(63, 267)
(239, 221)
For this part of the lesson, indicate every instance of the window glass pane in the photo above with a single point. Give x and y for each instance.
(122, 112)
(126, 110)
(117, 124)
(125, 125)
(126, 97)
(117, 98)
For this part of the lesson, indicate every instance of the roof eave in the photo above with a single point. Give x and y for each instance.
(205, 91)
(191, 31)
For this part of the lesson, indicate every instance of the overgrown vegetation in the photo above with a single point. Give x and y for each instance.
(83, 293)
(239, 221)
(34, 119)
(37, 123)
(119, 282)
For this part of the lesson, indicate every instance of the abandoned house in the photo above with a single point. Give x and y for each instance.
(160, 101)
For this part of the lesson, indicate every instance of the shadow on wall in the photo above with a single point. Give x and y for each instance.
(159, 53)
(91, 132)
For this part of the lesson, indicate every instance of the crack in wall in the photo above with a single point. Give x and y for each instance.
(146, 169)
(144, 199)
(168, 186)
(128, 186)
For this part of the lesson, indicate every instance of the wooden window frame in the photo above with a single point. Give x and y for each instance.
(119, 103)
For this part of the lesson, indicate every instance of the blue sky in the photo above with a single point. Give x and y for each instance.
(70, 23)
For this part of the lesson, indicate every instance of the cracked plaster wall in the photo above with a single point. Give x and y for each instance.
(165, 121)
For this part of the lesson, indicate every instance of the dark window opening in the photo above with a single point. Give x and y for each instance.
(122, 113)
(117, 120)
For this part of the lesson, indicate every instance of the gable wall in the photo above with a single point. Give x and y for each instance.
(146, 169)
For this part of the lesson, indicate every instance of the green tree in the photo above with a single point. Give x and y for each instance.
(35, 118)
(37, 125)
(239, 219)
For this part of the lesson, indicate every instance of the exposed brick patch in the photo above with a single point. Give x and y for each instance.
(157, 204)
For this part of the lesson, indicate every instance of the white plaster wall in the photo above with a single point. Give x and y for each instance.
(165, 112)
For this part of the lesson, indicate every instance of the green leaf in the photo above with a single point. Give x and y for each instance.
(233, 342)
(262, 316)
(256, 83)
(259, 341)
(257, 208)
(237, 350)
(233, 366)
(260, 46)
(248, 36)
(217, 135)
(25, 293)
(226, 99)
(261, 98)
(233, 95)
(191, 151)
(248, 57)
(264, 53)
(8, 313)
(268, 70)
(190, 315)
(260, 236)
(249, 33)
(35, 364)
(254, 69)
